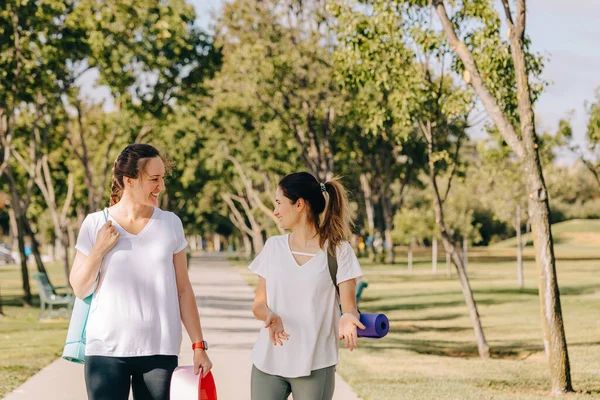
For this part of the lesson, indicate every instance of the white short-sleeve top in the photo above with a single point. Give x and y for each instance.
(305, 299)
(135, 309)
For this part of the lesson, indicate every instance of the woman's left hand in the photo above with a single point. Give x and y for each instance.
(348, 325)
(201, 360)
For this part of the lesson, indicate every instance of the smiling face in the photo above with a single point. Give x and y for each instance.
(288, 214)
(149, 183)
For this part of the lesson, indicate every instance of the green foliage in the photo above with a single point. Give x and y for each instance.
(413, 224)
(276, 70)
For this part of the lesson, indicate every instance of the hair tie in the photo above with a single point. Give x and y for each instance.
(323, 188)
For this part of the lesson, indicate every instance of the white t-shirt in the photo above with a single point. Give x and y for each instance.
(135, 309)
(305, 299)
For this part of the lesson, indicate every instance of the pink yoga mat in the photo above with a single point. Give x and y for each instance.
(187, 386)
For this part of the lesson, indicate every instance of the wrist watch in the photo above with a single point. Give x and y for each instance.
(200, 345)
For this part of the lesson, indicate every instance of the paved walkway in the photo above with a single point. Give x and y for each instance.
(225, 302)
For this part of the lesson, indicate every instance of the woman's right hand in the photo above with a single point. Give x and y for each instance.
(276, 332)
(106, 239)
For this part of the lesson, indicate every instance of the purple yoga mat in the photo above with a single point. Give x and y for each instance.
(377, 325)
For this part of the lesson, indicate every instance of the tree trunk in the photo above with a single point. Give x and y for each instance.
(66, 258)
(27, 298)
(366, 189)
(466, 253)
(257, 242)
(14, 230)
(217, 242)
(520, 278)
(15, 202)
(448, 265)
(554, 333)
(434, 254)
(247, 246)
(484, 350)
(388, 223)
(538, 207)
(35, 246)
(539, 214)
(449, 247)
(410, 256)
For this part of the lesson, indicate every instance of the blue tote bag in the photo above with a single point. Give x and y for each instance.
(74, 349)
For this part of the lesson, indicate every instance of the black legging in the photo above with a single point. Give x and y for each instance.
(109, 378)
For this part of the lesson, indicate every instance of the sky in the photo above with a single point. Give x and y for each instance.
(567, 33)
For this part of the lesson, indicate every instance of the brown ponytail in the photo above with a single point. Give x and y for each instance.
(327, 206)
(335, 222)
(116, 189)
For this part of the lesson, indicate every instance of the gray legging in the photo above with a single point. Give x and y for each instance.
(319, 385)
(109, 378)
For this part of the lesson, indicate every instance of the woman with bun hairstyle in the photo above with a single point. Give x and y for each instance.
(132, 257)
(297, 349)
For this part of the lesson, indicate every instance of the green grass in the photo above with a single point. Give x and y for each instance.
(431, 353)
(26, 345)
(575, 233)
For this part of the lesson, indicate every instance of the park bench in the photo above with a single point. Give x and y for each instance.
(49, 299)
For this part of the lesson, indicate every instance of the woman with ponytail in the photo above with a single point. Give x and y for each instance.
(131, 256)
(297, 349)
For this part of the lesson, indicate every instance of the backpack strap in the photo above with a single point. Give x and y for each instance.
(332, 263)
(333, 268)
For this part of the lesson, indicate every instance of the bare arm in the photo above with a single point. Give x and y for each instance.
(350, 319)
(187, 300)
(189, 312)
(348, 297)
(261, 311)
(84, 272)
(85, 268)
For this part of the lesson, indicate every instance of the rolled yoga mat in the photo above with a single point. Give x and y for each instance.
(377, 325)
(187, 386)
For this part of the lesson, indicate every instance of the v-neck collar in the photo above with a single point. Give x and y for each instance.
(289, 250)
(140, 233)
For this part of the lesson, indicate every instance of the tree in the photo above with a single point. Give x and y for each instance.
(382, 147)
(40, 39)
(474, 50)
(412, 226)
(373, 51)
(277, 55)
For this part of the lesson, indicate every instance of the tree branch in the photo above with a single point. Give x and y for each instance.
(69, 198)
(521, 19)
(490, 103)
(509, 19)
(454, 166)
(236, 213)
